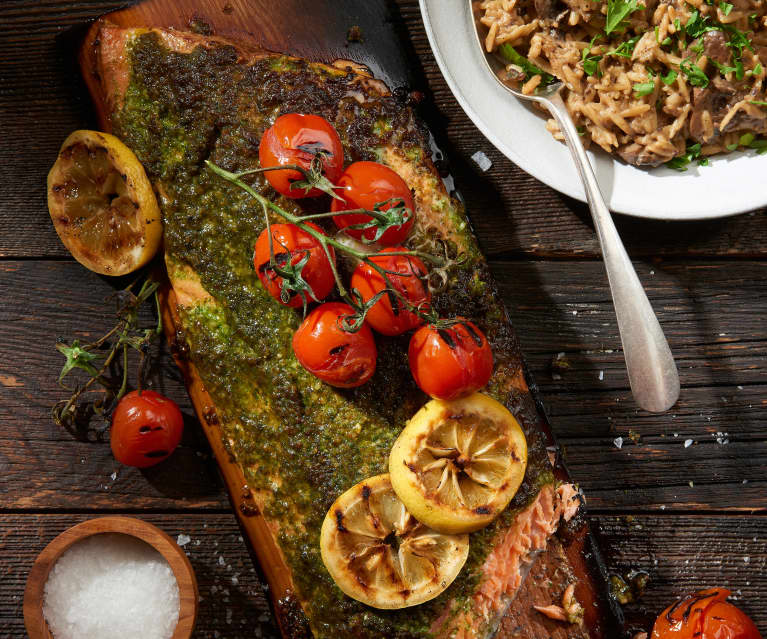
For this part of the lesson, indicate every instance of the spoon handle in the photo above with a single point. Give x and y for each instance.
(652, 372)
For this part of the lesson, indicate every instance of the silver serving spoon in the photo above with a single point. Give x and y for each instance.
(652, 372)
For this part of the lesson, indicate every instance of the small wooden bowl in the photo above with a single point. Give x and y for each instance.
(34, 620)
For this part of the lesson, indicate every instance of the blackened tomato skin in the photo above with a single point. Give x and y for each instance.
(146, 429)
(335, 356)
(363, 185)
(406, 273)
(448, 363)
(295, 138)
(291, 240)
(704, 615)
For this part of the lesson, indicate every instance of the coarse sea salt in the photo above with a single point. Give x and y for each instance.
(111, 585)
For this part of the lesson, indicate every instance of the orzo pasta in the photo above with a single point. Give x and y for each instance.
(651, 81)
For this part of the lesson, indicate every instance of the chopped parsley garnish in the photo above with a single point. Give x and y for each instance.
(591, 62)
(725, 7)
(625, 49)
(511, 55)
(666, 41)
(752, 142)
(757, 69)
(643, 88)
(617, 11)
(737, 41)
(680, 162)
(694, 73)
(677, 24)
(669, 77)
(725, 69)
(758, 102)
(697, 25)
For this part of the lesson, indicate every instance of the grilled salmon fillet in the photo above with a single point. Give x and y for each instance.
(178, 99)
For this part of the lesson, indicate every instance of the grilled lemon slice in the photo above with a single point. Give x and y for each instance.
(102, 204)
(380, 555)
(458, 463)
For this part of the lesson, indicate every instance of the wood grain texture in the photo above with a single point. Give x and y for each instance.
(587, 413)
(680, 554)
(231, 604)
(520, 222)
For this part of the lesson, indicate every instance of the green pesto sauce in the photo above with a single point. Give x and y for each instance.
(301, 441)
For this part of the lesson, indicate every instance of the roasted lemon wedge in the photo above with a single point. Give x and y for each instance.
(380, 555)
(102, 204)
(458, 463)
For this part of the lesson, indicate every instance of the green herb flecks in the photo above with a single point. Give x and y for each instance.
(617, 12)
(680, 162)
(625, 49)
(750, 141)
(510, 54)
(668, 78)
(591, 62)
(695, 75)
(643, 88)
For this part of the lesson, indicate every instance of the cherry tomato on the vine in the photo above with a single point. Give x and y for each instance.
(365, 185)
(297, 139)
(146, 428)
(451, 362)
(406, 273)
(299, 255)
(335, 356)
(704, 615)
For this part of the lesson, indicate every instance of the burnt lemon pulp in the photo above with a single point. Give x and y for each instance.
(457, 464)
(102, 204)
(380, 555)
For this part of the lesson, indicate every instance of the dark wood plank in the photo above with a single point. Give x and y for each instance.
(679, 553)
(587, 413)
(232, 601)
(710, 313)
(684, 554)
(43, 467)
(41, 104)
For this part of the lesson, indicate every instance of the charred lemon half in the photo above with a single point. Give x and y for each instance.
(377, 553)
(457, 464)
(102, 204)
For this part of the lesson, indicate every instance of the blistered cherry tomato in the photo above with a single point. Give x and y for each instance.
(146, 428)
(336, 356)
(293, 246)
(297, 139)
(364, 185)
(389, 315)
(452, 362)
(704, 615)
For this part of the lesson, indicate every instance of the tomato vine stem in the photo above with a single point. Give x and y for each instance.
(353, 298)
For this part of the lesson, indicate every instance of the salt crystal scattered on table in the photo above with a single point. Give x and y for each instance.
(618, 441)
(482, 161)
(687, 443)
(111, 585)
(183, 540)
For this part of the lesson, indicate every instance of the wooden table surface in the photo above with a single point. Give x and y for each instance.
(689, 515)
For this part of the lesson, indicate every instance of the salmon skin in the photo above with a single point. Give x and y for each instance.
(178, 99)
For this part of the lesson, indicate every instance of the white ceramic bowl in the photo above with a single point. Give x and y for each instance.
(731, 184)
